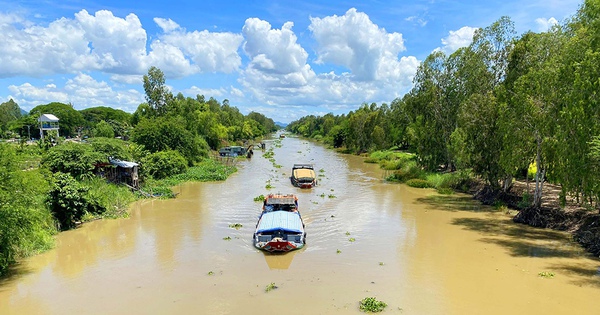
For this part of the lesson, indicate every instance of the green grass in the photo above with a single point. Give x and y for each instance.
(204, 171)
(418, 183)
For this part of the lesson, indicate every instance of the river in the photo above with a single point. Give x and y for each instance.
(416, 250)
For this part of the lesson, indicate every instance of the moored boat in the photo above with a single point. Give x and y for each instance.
(303, 176)
(280, 227)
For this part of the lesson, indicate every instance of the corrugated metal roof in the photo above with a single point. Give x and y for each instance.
(284, 220)
(123, 164)
(48, 117)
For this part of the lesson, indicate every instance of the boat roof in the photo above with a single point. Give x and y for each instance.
(281, 200)
(305, 165)
(280, 220)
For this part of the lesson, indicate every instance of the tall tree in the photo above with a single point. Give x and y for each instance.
(158, 95)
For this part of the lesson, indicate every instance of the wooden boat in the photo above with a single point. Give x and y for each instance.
(303, 176)
(280, 227)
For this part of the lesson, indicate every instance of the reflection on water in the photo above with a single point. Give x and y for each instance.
(414, 249)
(279, 260)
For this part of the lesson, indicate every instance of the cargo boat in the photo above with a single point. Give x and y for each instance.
(280, 227)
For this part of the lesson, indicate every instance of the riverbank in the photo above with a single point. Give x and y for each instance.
(581, 222)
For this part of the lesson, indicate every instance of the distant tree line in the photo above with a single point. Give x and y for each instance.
(495, 107)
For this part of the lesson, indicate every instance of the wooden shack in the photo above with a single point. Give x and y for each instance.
(119, 172)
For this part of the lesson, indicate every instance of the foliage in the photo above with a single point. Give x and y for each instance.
(111, 147)
(259, 198)
(236, 226)
(157, 93)
(9, 112)
(107, 199)
(104, 129)
(26, 226)
(418, 183)
(372, 305)
(270, 287)
(546, 274)
(163, 164)
(67, 200)
(73, 158)
(69, 118)
(169, 134)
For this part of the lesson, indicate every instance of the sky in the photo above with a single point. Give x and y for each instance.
(284, 59)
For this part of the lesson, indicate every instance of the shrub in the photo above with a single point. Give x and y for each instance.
(162, 164)
(418, 183)
(409, 171)
(75, 159)
(66, 200)
(111, 147)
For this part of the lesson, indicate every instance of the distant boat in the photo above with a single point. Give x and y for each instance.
(280, 227)
(303, 176)
(236, 151)
(281, 136)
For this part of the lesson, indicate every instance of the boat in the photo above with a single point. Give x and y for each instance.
(235, 151)
(303, 176)
(280, 227)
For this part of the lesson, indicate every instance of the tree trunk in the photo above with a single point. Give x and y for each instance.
(539, 175)
(507, 183)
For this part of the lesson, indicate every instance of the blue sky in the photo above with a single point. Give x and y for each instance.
(285, 59)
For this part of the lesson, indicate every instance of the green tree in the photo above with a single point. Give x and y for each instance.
(104, 129)
(158, 95)
(161, 134)
(73, 158)
(163, 164)
(70, 120)
(9, 112)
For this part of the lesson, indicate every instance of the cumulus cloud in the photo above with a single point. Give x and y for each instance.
(457, 39)
(82, 91)
(353, 41)
(545, 24)
(279, 73)
(110, 44)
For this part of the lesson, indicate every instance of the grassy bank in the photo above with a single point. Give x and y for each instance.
(403, 167)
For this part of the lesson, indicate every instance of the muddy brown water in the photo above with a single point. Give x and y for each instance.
(420, 252)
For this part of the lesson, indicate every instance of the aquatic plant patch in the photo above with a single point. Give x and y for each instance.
(372, 305)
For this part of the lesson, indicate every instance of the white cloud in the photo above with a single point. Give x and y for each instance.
(353, 41)
(209, 51)
(167, 25)
(279, 76)
(417, 20)
(82, 91)
(545, 24)
(104, 42)
(457, 39)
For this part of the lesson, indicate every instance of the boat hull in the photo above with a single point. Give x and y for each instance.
(278, 246)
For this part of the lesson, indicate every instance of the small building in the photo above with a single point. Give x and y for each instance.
(119, 172)
(48, 122)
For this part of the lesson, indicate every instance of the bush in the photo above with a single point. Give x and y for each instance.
(75, 159)
(111, 147)
(418, 183)
(106, 199)
(66, 200)
(26, 225)
(163, 164)
(409, 171)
